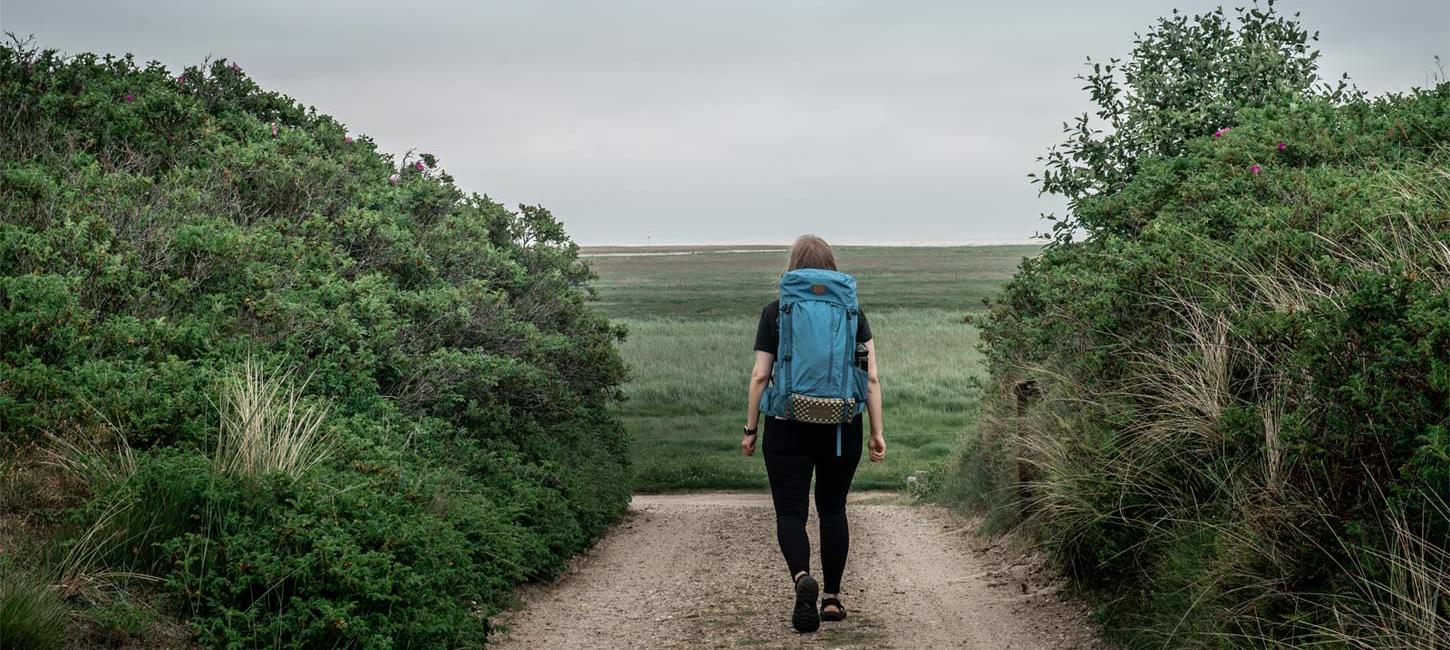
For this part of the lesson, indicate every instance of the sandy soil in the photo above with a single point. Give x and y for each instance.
(702, 570)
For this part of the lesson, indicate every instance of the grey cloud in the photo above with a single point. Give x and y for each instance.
(712, 121)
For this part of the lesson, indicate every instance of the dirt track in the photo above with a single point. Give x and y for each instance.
(702, 570)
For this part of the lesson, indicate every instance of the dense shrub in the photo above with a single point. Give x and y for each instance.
(159, 230)
(1240, 347)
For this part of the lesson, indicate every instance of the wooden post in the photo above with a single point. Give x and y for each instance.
(1024, 392)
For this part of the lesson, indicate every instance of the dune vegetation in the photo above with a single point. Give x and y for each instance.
(262, 384)
(1221, 396)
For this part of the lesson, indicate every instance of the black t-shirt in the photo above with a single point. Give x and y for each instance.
(767, 333)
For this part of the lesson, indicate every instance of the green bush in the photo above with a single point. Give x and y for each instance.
(158, 231)
(119, 621)
(1240, 341)
(1265, 364)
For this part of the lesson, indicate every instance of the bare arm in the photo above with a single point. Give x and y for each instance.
(877, 445)
(759, 379)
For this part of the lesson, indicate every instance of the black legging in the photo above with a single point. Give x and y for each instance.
(792, 450)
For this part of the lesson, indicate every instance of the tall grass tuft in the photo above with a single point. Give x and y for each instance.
(102, 461)
(95, 459)
(32, 615)
(1400, 591)
(266, 427)
(86, 568)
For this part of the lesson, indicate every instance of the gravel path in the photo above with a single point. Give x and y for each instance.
(702, 570)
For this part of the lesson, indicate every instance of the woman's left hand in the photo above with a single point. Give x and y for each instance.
(877, 445)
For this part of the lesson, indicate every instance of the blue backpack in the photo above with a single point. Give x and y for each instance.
(815, 378)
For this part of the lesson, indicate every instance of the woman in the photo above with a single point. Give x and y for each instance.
(793, 450)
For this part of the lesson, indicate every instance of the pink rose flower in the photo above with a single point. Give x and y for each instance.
(418, 165)
(1254, 169)
(129, 98)
(235, 68)
(393, 179)
(274, 129)
(347, 139)
(1282, 146)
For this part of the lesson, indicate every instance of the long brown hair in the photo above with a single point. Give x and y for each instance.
(811, 252)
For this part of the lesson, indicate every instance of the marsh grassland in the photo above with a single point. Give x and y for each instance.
(692, 312)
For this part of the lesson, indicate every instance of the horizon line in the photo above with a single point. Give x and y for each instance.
(904, 243)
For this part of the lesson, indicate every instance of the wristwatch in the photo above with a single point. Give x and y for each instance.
(750, 432)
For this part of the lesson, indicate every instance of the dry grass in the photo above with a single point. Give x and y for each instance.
(1400, 591)
(1075, 483)
(82, 571)
(100, 459)
(1184, 380)
(266, 427)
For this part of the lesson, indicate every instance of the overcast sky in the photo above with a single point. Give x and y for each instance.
(693, 122)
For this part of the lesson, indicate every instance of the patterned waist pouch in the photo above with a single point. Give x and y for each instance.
(821, 410)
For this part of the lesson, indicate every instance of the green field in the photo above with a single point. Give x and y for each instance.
(692, 315)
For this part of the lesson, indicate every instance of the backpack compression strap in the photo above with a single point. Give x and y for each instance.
(784, 347)
(849, 358)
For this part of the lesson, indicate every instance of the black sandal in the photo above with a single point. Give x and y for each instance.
(806, 618)
(838, 615)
